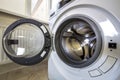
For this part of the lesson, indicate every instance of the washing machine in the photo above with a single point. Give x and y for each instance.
(85, 41)
(82, 41)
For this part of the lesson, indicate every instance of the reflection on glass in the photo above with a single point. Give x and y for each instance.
(20, 51)
(25, 40)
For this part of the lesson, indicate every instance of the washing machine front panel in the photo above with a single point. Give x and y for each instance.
(27, 41)
(107, 62)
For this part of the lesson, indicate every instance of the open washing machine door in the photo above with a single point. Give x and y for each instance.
(26, 42)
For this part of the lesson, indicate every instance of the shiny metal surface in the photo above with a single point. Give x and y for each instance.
(79, 40)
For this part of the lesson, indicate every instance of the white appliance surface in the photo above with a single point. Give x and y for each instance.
(106, 15)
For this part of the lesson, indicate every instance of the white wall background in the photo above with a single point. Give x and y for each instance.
(42, 10)
(26, 7)
(33, 3)
(16, 6)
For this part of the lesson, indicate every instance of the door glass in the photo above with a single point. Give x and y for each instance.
(26, 40)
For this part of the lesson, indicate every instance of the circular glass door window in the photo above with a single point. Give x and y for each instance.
(78, 42)
(26, 41)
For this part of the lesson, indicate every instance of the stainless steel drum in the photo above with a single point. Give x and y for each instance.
(78, 42)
